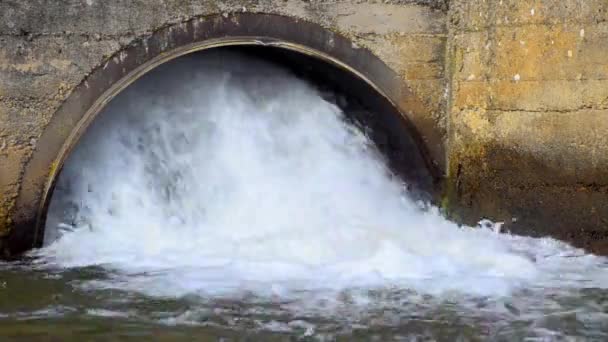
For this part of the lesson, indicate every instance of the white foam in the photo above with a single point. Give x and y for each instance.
(227, 175)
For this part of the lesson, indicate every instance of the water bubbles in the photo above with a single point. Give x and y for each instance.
(221, 176)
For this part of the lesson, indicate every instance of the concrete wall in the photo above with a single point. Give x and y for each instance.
(48, 48)
(510, 96)
(528, 120)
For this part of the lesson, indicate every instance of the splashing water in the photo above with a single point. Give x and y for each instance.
(224, 176)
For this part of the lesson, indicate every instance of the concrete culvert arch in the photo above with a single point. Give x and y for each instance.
(377, 99)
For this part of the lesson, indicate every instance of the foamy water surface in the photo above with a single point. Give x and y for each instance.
(228, 179)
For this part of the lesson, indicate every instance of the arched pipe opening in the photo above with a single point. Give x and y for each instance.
(374, 96)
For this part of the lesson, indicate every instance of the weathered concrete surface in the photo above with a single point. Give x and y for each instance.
(49, 48)
(510, 97)
(528, 122)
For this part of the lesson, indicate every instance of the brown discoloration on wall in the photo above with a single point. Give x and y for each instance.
(529, 117)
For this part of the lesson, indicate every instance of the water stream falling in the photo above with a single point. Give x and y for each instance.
(227, 178)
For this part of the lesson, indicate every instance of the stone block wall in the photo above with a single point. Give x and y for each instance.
(510, 96)
(528, 119)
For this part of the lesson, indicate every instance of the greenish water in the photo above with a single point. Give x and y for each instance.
(44, 304)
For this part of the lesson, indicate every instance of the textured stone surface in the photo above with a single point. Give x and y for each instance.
(528, 122)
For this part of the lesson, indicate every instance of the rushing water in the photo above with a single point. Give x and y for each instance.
(224, 197)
